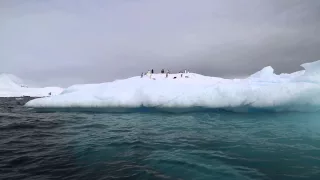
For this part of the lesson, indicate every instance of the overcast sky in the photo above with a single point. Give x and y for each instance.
(64, 42)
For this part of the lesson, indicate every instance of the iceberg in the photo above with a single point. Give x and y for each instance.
(12, 86)
(262, 91)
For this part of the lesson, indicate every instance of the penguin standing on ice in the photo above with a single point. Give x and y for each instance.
(149, 74)
(151, 71)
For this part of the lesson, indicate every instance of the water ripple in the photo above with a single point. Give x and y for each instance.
(213, 145)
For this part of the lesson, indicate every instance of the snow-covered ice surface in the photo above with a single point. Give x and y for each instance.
(262, 91)
(12, 86)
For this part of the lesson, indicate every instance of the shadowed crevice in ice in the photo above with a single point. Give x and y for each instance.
(175, 110)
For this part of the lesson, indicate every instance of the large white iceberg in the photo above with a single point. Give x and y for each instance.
(262, 91)
(12, 86)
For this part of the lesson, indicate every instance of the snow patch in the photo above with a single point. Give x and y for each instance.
(13, 86)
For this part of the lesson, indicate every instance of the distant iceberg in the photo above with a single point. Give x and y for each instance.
(262, 91)
(12, 86)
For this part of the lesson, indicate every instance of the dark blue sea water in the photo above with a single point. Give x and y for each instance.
(201, 146)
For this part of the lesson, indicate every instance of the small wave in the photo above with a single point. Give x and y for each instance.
(15, 126)
(20, 161)
(91, 126)
(131, 143)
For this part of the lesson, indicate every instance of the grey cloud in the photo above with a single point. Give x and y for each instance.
(68, 42)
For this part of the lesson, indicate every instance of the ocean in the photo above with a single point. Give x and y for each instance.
(189, 146)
